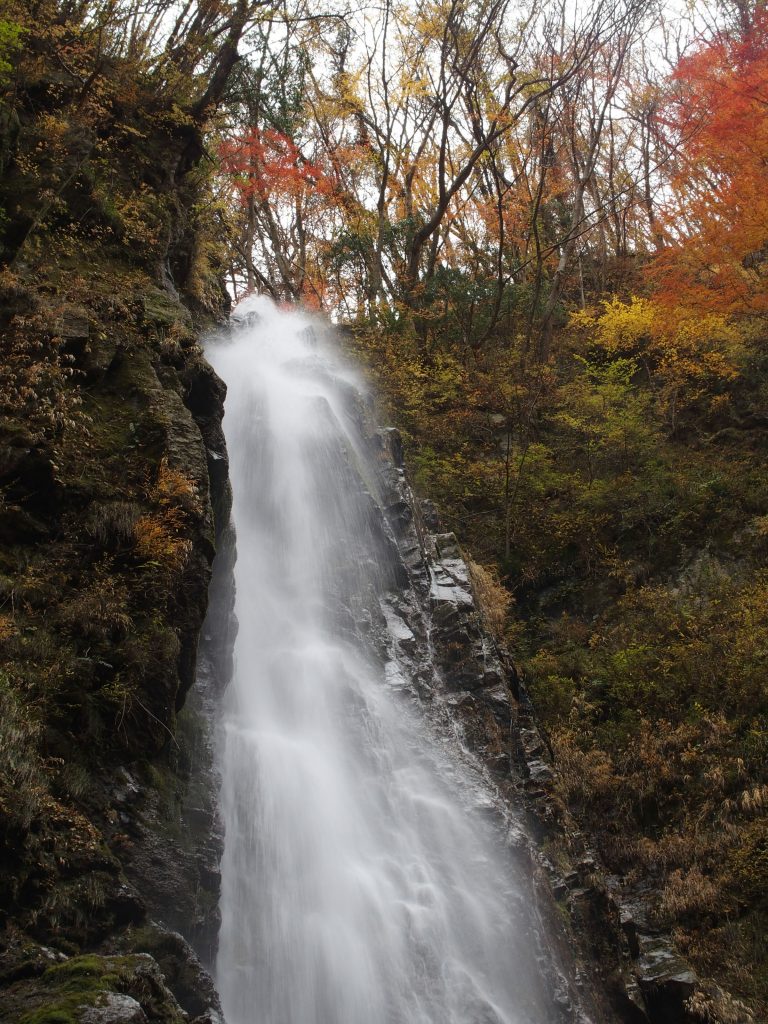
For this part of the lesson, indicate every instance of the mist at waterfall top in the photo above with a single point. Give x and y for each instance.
(283, 333)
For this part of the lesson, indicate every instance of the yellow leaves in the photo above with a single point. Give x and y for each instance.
(429, 388)
(625, 327)
(157, 538)
(52, 128)
(159, 535)
(144, 218)
(621, 325)
(682, 350)
(349, 89)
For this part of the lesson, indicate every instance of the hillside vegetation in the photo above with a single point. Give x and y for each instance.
(545, 233)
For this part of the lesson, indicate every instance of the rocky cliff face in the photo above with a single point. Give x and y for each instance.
(115, 499)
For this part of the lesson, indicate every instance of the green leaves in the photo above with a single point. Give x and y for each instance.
(11, 36)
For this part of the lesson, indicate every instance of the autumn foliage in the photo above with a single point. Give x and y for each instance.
(547, 242)
(717, 223)
(269, 165)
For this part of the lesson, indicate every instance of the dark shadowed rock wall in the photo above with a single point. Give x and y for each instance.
(115, 499)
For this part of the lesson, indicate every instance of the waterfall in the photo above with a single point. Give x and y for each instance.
(366, 878)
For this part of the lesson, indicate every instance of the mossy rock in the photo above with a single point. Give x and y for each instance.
(76, 990)
(162, 310)
(183, 970)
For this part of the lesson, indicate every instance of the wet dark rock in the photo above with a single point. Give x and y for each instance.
(629, 928)
(126, 906)
(665, 980)
(182, 970)
(430, 516)
(394, 444)
(127, 789)
(400, 516)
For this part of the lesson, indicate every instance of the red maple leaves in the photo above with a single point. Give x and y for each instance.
(717, 219)
(268, 165)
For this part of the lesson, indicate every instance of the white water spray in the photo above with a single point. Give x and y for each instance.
(361, 882)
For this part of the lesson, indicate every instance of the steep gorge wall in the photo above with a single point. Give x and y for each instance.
(110, 521)
(114, 498)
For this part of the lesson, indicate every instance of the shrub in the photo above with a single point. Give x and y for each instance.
(493, 599)
(98, 611)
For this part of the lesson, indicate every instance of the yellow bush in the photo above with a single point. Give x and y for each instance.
(621, 325)
(157, 539)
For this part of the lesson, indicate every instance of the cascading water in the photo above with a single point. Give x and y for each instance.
(363, 879)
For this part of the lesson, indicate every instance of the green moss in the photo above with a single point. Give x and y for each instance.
(66, 989)
(50, 1015)
(160, 309)
(84, 971)
(75, 984)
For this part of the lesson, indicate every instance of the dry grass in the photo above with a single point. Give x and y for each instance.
(713, 1006)
(111, 523)
(685, 893)
(100, 610)
(493, 599)
(583, 776)
(23, 782)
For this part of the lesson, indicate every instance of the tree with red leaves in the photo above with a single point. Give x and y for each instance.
(283, 192)
(717, 217)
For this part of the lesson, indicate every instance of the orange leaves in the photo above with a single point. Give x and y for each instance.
(173, 488)
(157, 538)
(720, 117)
(268, 164)
(160, 535)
